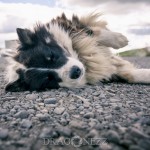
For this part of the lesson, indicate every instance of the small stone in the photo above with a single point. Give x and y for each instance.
(63, 122)
(114, 100)
(43, 117)
(137, 133)
(31, 111)
(3, 111)
(117, 108)
(3, 133)
(93, 133)
(22, 114)
(86, 104)
(66, 115)
(135, 147)
(82, 113)
(81, 108)
(145, 120)
(59, 110)
(144, 143)
(89, 115)
(96, 93)
(71, 107)
(50, 101)
(48, 133)
(41, 104)
(49, 106)
(26, 124)
(126, 143)
(31, 96)
(113, 136)
(102, 95)
(64, 131)
(76, 124)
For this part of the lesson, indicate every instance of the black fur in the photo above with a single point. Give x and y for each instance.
(36, 52)
(34, 79)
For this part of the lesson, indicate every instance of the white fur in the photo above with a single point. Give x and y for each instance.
(62, 39)
(140, 75)
(11, 70)
(47, 40)
(64, 72)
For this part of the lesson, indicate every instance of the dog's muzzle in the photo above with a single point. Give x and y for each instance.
(75, 72)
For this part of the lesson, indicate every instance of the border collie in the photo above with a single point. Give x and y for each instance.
(69, 53)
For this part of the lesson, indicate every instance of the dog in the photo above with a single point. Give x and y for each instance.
(70, 53)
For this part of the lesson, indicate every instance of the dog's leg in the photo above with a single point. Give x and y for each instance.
(112, 39)
(34, 79)
(40, 79)
(131, 74)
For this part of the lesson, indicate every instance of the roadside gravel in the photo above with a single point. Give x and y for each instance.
(111, 116)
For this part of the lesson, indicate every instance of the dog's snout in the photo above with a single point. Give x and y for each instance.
(75, 72)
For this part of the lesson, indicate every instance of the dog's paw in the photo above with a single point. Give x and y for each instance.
(119, 41)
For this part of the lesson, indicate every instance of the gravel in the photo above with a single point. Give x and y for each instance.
(113, 116)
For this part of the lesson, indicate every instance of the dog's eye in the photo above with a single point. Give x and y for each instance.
(51, 58)
(48, 58)
(89, 32)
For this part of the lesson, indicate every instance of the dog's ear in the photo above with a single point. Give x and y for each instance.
(26, 37)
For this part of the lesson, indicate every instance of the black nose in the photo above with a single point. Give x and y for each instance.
(75, 72)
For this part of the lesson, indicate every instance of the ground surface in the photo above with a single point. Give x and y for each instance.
(105, 116)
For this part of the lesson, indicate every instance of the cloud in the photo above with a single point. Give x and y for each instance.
(110, 6)
(122, 16)
(143, 30)
(11, 23)
(92, 3)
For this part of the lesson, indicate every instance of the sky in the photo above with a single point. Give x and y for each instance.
(129, 17)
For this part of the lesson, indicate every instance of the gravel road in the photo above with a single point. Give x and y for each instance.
(111, 116)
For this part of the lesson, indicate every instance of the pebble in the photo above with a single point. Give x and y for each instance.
(113, 136)
(3, 133)
(59, 110)
(81, 108)
(93, 133)
(134, 147)
(3, 111)
(145, 120)
(71, 107)
(76, 124)
(63, 122)
(86, 104)
(144, 143)
(114, 100)
(89, 115)
(136, 133)
(50, 101)
(22, 114)
(26, 123)
(43, 117)
(64, 131)
(66, 115)
(102, 95)
(31, 96)
(48, 133)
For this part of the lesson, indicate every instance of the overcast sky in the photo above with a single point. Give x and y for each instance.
(130, 17)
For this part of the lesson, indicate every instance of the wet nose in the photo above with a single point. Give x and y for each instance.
(75, 72)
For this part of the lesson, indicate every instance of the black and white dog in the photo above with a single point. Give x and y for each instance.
(69, 53)
(45, 59)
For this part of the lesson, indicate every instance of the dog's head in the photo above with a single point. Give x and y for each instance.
(49, 48)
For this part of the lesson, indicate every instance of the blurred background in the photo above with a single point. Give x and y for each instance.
(130, 17)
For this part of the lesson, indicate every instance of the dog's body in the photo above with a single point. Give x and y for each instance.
(70, 53)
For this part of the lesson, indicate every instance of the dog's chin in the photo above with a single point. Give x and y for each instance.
(73, 83)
